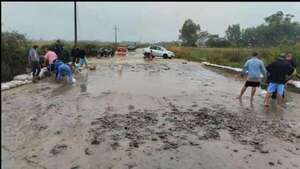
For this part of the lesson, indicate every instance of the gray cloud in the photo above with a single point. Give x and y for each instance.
(145, 21)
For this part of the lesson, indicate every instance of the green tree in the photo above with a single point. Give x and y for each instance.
(278, 29)
(189, 33)
(234, 34)
(216, 41)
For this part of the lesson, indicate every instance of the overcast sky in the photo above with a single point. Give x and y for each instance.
(137, 21)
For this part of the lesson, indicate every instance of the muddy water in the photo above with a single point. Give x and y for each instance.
(131, 113)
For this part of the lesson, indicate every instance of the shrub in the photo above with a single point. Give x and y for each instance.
(14, 47)
(234, 56)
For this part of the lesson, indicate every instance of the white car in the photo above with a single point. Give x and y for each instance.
(158, 51)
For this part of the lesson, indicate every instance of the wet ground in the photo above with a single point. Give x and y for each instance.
(162, 114)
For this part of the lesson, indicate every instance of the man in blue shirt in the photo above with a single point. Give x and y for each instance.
(255, 70)
(62, 69)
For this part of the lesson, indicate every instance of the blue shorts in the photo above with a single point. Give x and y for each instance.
(272, 87)
(82, 61)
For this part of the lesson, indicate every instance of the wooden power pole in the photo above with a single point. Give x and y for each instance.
(75, 23)
(116, 36)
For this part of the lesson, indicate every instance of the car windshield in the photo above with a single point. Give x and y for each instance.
(162, 48)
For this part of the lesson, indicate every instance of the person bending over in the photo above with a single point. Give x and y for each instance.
(61, 70)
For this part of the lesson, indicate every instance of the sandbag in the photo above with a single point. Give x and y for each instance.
(43, 72)
(296, 84)
(16, 83)
(22, 77)
(11, 84)
(73, 80)
(4, 86)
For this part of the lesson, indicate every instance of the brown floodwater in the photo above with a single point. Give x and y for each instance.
(50, 125)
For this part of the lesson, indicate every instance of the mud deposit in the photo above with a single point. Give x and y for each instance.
(163, 114)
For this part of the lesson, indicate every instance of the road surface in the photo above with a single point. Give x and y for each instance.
(162, 114)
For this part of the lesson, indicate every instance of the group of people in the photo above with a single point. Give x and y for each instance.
(277, 74)
(56, 62)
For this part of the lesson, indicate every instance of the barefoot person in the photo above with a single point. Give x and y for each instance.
(255, 70)
(278, 70)
(290, 60)
(82, 58)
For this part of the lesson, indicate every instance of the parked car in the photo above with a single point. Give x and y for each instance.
(131, 47)
(105, 52)
(158, 51)
(122, 51)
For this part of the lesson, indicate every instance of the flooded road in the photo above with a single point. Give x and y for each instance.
(160, 114)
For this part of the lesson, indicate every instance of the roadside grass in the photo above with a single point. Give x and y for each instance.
(234, 57)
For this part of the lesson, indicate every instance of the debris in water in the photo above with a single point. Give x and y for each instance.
(58, 149)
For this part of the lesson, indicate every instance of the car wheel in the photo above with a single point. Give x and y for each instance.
(165, 56)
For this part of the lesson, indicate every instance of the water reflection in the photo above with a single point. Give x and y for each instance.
(83, 80)
(120, 70)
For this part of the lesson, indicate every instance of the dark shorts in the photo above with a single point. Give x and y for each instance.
(252, 84)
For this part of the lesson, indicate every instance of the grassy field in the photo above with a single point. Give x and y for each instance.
(234, 57)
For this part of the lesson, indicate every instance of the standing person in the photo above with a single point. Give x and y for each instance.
(58, 49)
(82, 58)
(255, 70)
(75, 55)
(278, 70)
(291, 60)
(34, 61)
(50, 56)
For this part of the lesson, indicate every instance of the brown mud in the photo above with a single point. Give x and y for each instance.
(161, 114)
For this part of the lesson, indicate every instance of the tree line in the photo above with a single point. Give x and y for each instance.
(277, 29)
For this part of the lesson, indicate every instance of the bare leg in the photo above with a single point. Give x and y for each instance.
(252, 93)
(242, 92)
(279, 100)
(267, 98)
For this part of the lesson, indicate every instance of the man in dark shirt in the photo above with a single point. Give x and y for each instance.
(290, 60)
(58, 49)
(278, 70)
(82, 58)
(75, 55)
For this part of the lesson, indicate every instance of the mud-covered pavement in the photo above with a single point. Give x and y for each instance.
(164, 114)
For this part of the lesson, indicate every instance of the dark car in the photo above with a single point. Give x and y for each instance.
(131, 47)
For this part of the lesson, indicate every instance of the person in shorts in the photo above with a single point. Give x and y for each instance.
(255, 70)
(290, 60)
(82, 58)
(278, 70)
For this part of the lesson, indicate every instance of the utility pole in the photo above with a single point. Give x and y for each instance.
(116, 36)
(75, 23)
